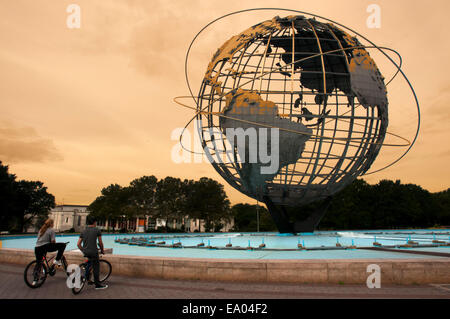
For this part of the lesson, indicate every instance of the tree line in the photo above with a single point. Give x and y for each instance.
(166, 199)
(385, 205)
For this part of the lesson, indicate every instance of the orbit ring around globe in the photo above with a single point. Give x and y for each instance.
(285, 68)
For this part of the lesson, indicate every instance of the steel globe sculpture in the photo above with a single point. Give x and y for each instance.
(307, 93)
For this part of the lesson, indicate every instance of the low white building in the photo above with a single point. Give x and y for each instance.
(67, 217)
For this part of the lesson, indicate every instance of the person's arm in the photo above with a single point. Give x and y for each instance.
(80, 240)
(100, 244)
(52, 236)
(79, 244)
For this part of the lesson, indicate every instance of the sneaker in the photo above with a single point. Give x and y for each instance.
(57, 262)
(34, 283)
(100, 286)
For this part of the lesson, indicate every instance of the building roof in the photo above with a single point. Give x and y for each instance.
(66, 205)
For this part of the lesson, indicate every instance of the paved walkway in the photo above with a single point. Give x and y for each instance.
(120, 287)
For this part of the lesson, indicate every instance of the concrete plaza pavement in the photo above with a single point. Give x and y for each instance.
(121, 287)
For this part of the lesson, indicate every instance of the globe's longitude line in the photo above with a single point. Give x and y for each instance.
(332, 68)
(236, 83)
(347, 145)
(338, 166)
(283, 32)
(365, 160)
(263, 60)
(314, 60)
(211, 123)
(352, 167)
(264, 64)
(266, 50)
(225, 174)
(235, 163)
(257, 44)
(330, 146)
(352, 110)
(292, 95)
(366, 145)
(233, 62)
(284, 174)
(325, 123)
(324, 90)
(272, 67)
(360, 149)
(374, 129)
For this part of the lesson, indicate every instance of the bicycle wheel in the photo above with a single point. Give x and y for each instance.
(77, 290)
(30, 276)
(105, 270)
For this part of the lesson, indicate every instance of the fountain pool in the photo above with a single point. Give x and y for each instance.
(320, 245)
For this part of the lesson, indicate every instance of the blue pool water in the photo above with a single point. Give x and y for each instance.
(271, 240)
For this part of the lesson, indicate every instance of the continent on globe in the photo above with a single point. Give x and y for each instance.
(279, 140)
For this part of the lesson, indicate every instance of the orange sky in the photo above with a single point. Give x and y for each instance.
(84, 108)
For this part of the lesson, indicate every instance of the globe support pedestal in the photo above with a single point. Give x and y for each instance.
(281, 218)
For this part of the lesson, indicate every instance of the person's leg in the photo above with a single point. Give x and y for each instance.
(96, 269)
(86, 271)
(57, 247)
(39, 252)
(60, 247)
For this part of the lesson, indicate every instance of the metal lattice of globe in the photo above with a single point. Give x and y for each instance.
(316, 84)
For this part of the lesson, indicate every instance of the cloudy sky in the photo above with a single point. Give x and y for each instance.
(86, 107)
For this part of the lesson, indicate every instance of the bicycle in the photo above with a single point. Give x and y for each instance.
(46, 268)
(86, 272)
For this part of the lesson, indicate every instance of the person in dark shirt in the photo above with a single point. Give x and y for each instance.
(87, 243)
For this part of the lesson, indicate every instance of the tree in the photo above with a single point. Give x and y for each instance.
(142, 193)
(22, 202)
(442, 200)
(350, 208)
(245, 216)
(117, 202)
(112, 204)
(206, 199)
(386, 205)
(169, 199)
(33, 201)
(7, 196)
